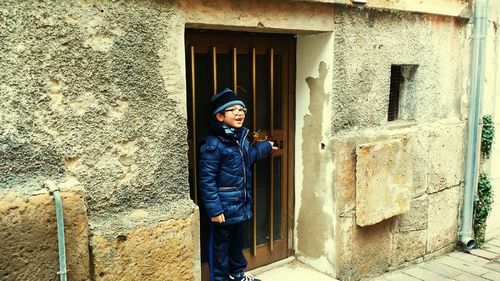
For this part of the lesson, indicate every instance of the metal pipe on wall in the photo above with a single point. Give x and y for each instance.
(479, 25)
(54, 190)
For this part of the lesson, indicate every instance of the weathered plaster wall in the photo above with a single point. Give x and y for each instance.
(92, 93)
(491, 105)
(314, 198)
(92, 97)
(367, 42)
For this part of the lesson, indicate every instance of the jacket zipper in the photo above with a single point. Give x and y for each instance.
(244, 168)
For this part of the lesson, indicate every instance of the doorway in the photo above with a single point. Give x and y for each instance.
(260, 68)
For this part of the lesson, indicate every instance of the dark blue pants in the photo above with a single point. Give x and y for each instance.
(225, 251)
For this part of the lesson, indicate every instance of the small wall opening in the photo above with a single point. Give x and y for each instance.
(400, 97)
(396, 81)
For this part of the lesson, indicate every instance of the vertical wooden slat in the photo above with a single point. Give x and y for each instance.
(214, 63)
(254, 185)
(193, 119)
(271, 193)
(235, 70)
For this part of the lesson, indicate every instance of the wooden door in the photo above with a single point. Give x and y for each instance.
(259, 68)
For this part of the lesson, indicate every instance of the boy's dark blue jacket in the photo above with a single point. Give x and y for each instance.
(226, 175)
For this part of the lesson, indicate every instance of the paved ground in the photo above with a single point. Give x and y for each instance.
(291, 271)
(478, 265)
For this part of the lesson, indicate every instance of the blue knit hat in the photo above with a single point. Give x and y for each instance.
(225, 99)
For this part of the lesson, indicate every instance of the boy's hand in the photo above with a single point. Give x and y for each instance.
(272, 145)
(220, 218)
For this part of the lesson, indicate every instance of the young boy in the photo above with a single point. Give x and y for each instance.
(226, 185)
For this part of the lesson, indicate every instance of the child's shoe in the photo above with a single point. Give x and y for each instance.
(244, 277)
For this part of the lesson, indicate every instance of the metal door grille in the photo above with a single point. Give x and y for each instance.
(396, 82)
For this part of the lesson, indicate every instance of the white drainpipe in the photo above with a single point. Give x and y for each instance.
(479, 25)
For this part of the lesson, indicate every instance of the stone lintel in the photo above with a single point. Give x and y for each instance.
(280, 16)
(291, 16)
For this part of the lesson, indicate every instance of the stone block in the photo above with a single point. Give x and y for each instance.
(165, 251)
(441, 252)
(420, 149)
(446, 151)
(344, 250)
(28, 235)
(442, 221)
(416, 218)
(383, 180)
(407, 247)
(344, 177)
(372, 249)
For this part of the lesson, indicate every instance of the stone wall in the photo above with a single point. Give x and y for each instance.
(29, 237)
(163, 251)
(398, 184)
(93, 92)
(426, 228)
(368, 42)
(92, 97)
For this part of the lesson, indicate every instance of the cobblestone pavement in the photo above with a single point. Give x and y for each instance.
(477, 265)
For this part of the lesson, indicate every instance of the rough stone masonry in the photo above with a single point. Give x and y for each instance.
(91, 98)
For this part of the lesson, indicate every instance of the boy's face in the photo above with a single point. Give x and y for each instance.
(233, 116)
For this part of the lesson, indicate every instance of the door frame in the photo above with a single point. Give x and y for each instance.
(218, 36)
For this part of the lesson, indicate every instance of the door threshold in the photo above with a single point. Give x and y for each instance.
(270, 266)
(289, 269)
